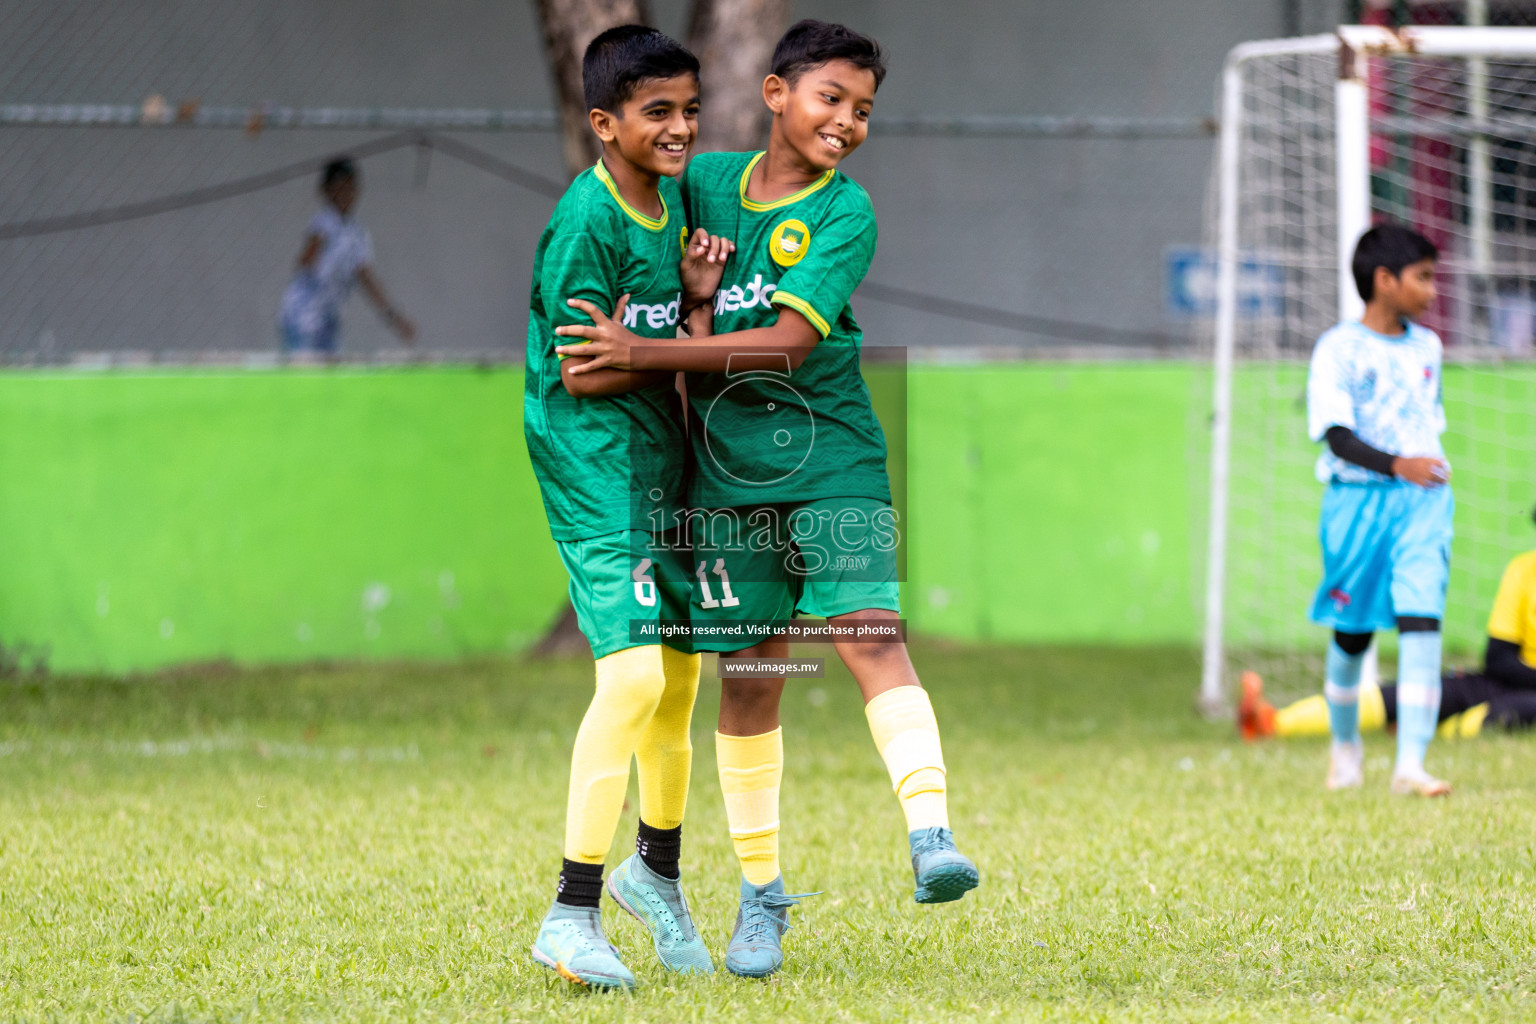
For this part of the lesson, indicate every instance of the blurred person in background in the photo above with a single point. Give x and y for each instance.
(337, 253)
(1374, 395)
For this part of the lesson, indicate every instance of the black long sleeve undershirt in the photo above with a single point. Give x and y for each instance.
(1502, 663)
(1343, 443)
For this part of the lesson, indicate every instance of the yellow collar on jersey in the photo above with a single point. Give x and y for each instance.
(795, 198)
(650, 223)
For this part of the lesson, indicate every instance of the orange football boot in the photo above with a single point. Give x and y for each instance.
(1255, 715)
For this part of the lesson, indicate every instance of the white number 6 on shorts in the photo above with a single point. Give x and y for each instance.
(645, 586)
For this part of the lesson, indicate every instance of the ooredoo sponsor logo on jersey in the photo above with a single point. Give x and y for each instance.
(657, 316)
(735, 297)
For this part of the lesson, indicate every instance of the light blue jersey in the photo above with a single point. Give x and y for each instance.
(1384, 388)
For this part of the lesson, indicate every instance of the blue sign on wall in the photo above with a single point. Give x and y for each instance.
(1189, 279)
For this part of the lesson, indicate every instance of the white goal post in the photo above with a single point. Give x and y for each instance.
(1320, 135)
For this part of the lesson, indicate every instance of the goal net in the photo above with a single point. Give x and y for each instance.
(1321, 137)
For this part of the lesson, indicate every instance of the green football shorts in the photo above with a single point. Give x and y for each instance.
(620, 584)
(830, 556)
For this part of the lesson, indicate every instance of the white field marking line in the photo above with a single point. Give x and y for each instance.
(211, 745)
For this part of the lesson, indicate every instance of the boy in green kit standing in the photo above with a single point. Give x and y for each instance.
(609, 453)
(789, 461)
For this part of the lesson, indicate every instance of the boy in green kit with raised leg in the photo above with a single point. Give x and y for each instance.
(789, 461)
(609, 452)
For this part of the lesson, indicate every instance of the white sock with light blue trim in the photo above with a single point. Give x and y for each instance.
(1341, 688)
(1418, 698)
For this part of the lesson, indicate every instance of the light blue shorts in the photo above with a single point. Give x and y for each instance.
(1386, 553)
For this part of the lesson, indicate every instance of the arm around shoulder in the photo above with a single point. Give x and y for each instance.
(789, 338)
(606, 381)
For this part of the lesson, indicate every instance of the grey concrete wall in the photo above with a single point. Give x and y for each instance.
(1071, 229)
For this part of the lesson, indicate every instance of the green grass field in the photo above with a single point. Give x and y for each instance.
(378, 843)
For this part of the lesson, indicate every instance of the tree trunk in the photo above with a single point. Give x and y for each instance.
(734, 41)
(564, 638)
(569, 25)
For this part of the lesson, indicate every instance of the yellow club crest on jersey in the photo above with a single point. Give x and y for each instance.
(789, 242)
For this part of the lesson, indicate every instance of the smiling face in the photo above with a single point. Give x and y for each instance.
(655, 128)
(824, 114)
(1410, 292)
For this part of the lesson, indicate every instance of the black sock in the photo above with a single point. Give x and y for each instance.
(580, 884)
(659, 848)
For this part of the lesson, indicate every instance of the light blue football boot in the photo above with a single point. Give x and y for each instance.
(659, 904)
(572, 944)
(943, 873)
(755, 950)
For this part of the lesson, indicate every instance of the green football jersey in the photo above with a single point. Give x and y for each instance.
(785, 436)
(616, 462)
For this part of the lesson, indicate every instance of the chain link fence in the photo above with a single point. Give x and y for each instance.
(161, 165)
(161, 162)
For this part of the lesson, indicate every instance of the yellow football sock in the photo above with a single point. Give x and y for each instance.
(630, 684)
(1306, 717)
(1465, 725)
(1309, 716)
(902, 723)
(665, 754)
(1373, 711)
(751, 769)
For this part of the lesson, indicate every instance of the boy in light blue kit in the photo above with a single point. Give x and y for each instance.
(1374, 394)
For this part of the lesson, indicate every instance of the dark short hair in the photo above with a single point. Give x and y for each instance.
(1387, 245)
(340, 169)
(617, 61)
(810, 44)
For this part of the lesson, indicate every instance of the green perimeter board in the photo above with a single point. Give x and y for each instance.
(1066, 504)
(155, 518)
(1051, 503)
